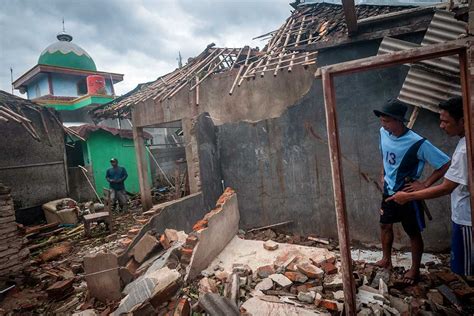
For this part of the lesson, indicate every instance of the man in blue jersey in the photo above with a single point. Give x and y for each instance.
(455, 183)
(404, 155)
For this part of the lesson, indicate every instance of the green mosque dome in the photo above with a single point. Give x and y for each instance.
(66, 54)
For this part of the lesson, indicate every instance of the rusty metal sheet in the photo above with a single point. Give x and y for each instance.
(431, 81)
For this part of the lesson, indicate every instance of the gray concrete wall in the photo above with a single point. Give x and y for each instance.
(167, 157)
(280, 166)
(46, 180)
(254, 100)
(79, 189)
(209, 164)
(180, 214)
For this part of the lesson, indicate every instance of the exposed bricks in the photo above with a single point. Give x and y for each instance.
(192, 239)
(12, 254)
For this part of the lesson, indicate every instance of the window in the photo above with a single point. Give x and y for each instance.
(82, 87)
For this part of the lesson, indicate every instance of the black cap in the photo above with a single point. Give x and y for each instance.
(113, 160)
(394, 108)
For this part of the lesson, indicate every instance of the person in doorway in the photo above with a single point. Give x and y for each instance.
(116, 177)
(455, 183)
(404, 154)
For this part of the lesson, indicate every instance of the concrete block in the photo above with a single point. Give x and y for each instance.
(102, 276)
(144, 247)
(280, 279)
(222, 227)
(265, 285)
(155, 287)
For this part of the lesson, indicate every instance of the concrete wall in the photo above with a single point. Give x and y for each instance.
(34, 170)
(280, 167)
(180, 214)
(79, 188)
(167, 158)
(254, 100)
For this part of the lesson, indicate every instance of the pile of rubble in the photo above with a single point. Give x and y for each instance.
(218, 269)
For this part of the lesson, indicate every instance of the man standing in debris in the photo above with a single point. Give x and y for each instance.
(454, 183)
(116, 177)
(404, 155)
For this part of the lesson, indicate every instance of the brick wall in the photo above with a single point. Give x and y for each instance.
(12, 254)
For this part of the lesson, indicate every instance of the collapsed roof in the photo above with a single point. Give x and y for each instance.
(307, 24)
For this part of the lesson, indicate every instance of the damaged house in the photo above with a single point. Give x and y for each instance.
(254, 120)
(32, 155)
(257, 233)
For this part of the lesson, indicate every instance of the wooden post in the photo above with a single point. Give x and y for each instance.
(142, 166)
(339, 195)
(350, 15)
(466, 62)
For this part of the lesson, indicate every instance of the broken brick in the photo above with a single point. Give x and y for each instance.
(132, 266)
(296, 276)
(144, 247)
(126, 276)
(164, 241)
(265, 271)
(171, 235)
(270, 245)
(55, 252)
(182, 308)
(330, 305)
(200, 224)
(125, 242)
(60, 289)
(133, 232)
(186, 254)
(328, 268)
(311, 271)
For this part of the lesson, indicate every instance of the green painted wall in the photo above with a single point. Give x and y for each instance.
(101, 146)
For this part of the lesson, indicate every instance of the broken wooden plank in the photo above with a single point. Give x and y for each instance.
(270, 226)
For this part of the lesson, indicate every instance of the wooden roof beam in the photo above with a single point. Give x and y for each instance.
(350, 15)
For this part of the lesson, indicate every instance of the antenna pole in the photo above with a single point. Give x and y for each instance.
(11, 79)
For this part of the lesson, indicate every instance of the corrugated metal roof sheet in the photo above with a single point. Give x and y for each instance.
(431, 81)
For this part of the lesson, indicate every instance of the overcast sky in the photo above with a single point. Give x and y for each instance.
(139, 38)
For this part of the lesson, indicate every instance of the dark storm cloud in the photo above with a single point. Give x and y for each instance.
(140, 38)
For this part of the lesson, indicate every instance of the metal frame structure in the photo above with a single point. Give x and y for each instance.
(466, 57)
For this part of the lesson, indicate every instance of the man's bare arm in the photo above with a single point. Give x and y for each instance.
(435, 176)
(445, 188)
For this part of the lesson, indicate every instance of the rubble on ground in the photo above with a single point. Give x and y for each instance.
(218, 269)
